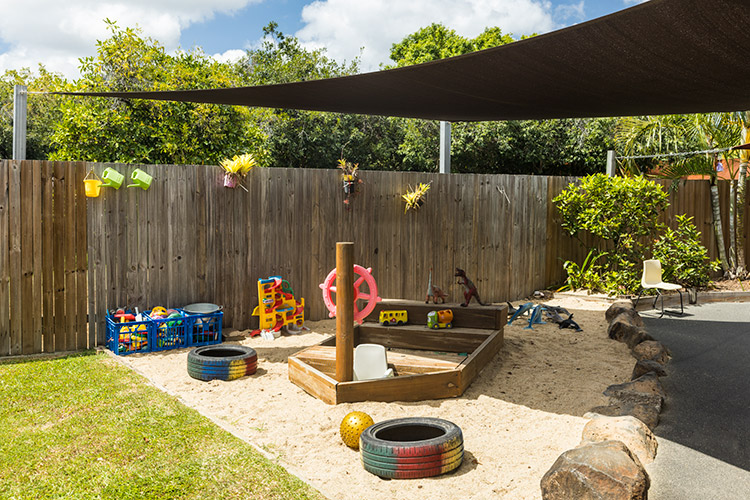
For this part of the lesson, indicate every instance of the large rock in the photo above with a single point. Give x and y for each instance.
(645, 366)
(641, 398)
(646, 413)
(623, 329)
(596, 471)
(651, 350)
(623, 306)
(628, 429)
(645, 389)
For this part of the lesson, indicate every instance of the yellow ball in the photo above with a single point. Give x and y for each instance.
(352, 426)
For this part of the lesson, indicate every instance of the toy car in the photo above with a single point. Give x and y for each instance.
(440, 319)
(391, 318)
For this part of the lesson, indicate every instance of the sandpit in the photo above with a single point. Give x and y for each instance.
(518, 416)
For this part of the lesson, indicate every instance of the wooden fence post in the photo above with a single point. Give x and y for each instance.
(344, 312)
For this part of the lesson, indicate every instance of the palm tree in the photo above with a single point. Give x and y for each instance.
(662, 135)
(741, 191)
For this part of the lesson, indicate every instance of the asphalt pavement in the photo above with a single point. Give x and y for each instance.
(704, 427)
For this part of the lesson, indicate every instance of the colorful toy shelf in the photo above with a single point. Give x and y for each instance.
(278, 307)
(476, 337)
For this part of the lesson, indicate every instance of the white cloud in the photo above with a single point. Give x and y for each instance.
(57, 32)
(633, 2)
(344, 26)
(231, 55)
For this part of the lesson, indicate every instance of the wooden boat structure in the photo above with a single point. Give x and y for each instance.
(427, 363)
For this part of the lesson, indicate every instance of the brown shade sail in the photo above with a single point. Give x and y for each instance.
(659, 57)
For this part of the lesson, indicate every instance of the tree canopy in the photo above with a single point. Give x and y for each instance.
(140, 131)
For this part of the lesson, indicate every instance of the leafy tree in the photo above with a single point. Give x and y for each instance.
(140, 131)
(42, 110)
(550, 147)
(281, 59)
(308, 139)
(436, 41)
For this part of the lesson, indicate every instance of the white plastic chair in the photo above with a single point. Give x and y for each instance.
(370, 362)
(652, 279)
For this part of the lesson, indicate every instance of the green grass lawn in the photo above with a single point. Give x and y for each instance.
(84, 427)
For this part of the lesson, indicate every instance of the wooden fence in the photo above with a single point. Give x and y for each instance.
(188, 239)
(43, 278)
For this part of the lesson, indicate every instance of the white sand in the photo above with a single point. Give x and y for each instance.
(518, 416)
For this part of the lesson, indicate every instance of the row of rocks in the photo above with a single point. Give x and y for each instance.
(643, 396)
(617, 441)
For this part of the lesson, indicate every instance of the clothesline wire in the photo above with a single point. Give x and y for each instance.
(671, 155)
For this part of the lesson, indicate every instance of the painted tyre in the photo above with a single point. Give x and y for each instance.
(387, 462)
(415, 473)
(440, 462)
(222, 362)
(406, 448)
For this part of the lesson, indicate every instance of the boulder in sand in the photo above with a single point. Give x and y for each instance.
(634, 433)
(600, 470)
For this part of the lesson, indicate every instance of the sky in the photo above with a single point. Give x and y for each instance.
(58, 33)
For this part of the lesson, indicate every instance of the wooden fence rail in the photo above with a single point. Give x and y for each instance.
(188, 239)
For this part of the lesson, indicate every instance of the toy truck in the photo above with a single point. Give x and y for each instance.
(440, 319)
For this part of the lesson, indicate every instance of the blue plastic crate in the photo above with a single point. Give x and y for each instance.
(169, 333)
(204, 329)
(129, 337)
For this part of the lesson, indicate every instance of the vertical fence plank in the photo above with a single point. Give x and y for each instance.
(59, 237)
(16, 274)
(5, 329)
(48, 292)
(37, 297)
(81, 251)
(93, 261)
(27, 311)
(71, 291)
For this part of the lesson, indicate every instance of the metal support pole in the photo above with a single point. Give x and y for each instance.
(611, 163)
(19, 122)
(445, 147)
(344, 312)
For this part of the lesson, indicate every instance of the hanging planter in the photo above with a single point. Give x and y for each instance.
(236, 169)
(231, 180)
(415, 197)
(350, 179)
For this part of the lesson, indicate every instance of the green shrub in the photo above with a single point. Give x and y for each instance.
(683, 259)
(623, 214)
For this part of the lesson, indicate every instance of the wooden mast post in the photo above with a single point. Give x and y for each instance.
(344, 311)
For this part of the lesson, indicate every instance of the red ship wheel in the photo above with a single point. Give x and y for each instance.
(371, 296)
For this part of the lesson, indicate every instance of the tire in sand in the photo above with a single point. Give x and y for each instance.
(410, 448)
(221, 362)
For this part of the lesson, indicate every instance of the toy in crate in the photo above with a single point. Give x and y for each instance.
(170, 328)
(203, 324)
(127, 332)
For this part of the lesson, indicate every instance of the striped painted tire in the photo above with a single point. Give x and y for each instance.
(409, 448)
(222, 362)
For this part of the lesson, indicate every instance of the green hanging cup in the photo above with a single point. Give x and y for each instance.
(141, 179)
(112, 178)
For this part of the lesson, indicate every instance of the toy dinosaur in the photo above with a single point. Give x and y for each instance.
(470, 290)
(435, 292)
(569, 323)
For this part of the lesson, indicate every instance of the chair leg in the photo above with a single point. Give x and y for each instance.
(662, 302)
(682, 307)
(635, 306)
